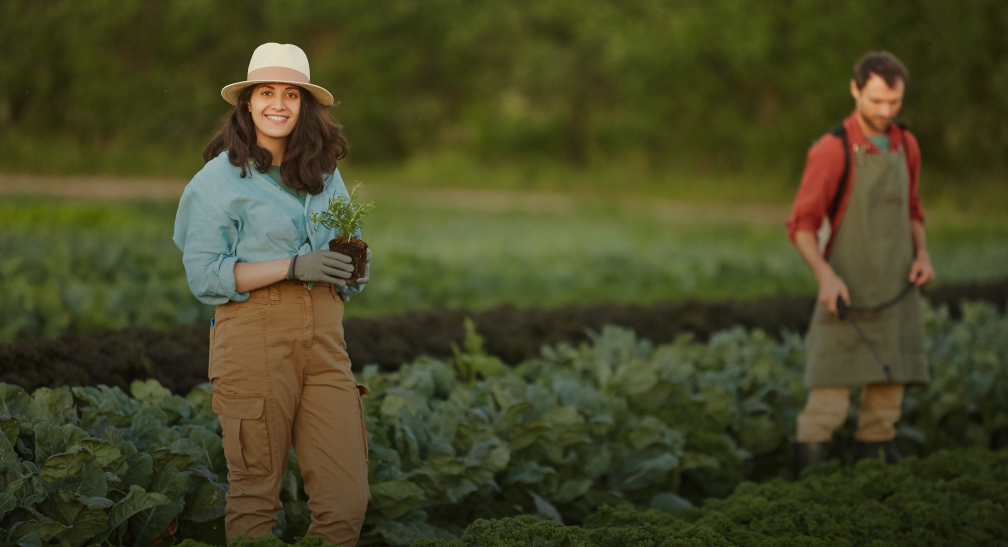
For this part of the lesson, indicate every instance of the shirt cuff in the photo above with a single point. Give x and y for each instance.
(353, 291)
(227, 279)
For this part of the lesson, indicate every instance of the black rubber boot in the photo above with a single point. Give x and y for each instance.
(883, 450)
(806, 454)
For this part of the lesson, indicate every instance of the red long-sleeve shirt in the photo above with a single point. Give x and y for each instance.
(824, 167)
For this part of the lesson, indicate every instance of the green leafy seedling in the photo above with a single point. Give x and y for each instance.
(344, 214)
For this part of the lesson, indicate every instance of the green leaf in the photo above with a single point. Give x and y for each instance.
(544, 507)
(66, 465)
(139, 466)
(395, 498)
(166, 458)
(31, 539)
(13, 400)
(136, 500)
(52, 405)
(456, 490)
(8, 501)
(168, 480)
(11, 428)
(149, 390)
(760, 435)
(106, 454)
(407, 529)
(486, 459)
(669, 502)
(528, 472)
(86, 517)
(640, 470)
(52, 439)
(572, 490)
(36, 523)
(205, 500)
(8, 456)
(201, 396)
(444, 466)
(526, 434)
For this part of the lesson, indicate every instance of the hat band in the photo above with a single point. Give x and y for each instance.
(277, 74)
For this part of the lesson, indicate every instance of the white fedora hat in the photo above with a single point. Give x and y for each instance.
(280, 63)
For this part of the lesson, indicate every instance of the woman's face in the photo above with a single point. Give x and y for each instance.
(275, 108)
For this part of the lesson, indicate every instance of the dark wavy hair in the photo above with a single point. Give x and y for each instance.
(313, 147)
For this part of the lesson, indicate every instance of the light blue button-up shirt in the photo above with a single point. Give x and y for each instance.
(224, 218)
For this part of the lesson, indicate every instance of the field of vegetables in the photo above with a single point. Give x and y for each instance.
(564, 449)
(536, 425)
(73, 266)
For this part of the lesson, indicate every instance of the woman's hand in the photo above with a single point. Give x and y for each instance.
(328, 266)
(367, 272)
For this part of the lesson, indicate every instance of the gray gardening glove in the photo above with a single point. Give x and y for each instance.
(329, 266)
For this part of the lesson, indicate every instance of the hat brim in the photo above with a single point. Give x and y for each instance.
(231, 92)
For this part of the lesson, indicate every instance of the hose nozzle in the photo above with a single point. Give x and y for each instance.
(842, 308)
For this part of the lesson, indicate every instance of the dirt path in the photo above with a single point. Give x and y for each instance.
(92, 187)
(490, 201)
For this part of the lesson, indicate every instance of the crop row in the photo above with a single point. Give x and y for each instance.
(82, 267)
(950, 498)
(177, 356)
(616, 422)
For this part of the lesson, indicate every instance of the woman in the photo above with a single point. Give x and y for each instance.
(278, 360)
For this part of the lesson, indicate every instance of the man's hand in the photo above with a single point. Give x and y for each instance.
(830, 284)
(921, 271)
(831, 287)
(367, 272)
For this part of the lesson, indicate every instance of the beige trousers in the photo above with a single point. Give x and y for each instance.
(281, 375)
(826, 411)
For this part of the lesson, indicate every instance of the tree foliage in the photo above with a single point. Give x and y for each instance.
(708, 84)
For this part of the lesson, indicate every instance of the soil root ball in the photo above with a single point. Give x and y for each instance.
(355, 249)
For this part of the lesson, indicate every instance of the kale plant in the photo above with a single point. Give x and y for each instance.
(344, 214)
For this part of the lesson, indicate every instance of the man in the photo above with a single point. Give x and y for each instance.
(857, 222)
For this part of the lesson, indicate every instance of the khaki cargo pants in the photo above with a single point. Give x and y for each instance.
(826, 411)
(281, 375)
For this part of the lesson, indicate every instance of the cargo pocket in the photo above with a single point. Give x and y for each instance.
(362, 390)
(246, 437)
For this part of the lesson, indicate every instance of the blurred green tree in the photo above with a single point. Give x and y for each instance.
(720, 85)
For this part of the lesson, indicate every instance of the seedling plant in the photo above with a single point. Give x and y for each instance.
(345, 215)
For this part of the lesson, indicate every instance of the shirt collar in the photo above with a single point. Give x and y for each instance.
(857, 137)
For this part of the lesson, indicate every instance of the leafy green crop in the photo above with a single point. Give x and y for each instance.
(951, 498)
(616, 422)
(111, 469)
(87, 266)
(344, 214)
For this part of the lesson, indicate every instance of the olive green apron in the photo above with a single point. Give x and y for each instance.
(872, 253)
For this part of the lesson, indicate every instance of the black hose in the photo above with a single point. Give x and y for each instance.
(844, 311)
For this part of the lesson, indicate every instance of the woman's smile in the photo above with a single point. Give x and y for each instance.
(275, 108)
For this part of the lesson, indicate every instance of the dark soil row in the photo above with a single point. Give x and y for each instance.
(178, 357)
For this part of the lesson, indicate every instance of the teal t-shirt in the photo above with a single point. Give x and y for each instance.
(882, 142)
(274, 173)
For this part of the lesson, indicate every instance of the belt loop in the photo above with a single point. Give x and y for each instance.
(332, 290)
(274, 293)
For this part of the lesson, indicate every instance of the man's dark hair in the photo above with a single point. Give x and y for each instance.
(313, 148)
(883, 63)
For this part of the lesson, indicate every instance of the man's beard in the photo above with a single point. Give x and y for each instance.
(870, 123)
